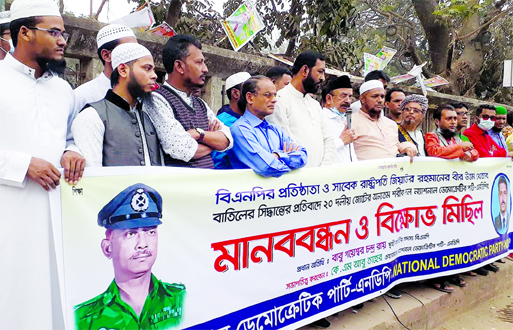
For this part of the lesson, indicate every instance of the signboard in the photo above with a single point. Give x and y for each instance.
(238, 251)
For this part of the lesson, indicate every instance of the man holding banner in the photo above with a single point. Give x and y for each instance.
(135, 299)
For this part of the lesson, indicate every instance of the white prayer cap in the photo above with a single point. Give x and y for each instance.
(371, 84)
(31, 8)
(5, 17)
(125, 53)
(113, 32)
(236, 79)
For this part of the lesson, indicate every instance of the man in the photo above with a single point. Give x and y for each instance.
(501, 222)
(376, 135)
(413, 108)
(393, 100)
(373, 75)
(36, 111)
(300, 116)
(187, 127)
(135, 299)
(496, 131)
(115, 131)
(336, 98)
(478, 133)
(259, 145)
(107, 39)
(444, 141)
(280, 76)
(462, 112)
(229, 113)
(6, 45)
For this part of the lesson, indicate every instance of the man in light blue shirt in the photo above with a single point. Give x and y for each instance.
(259, 145)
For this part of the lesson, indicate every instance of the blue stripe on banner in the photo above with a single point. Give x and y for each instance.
(291, 308)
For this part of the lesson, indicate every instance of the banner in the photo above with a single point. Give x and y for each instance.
(239, 251)
(371, 63)
(141, 18)
(243, 25)
(385, 54)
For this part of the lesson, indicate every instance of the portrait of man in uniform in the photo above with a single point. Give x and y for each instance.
(135, 299)
(501, 221)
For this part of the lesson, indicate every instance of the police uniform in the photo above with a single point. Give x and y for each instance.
(136, 206)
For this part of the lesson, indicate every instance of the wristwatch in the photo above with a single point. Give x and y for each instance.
(201, 133)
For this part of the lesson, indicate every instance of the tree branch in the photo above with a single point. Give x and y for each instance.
(470, 34)
(389, 14)
(99, 10)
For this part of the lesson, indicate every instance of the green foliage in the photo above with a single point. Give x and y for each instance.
(461, 9)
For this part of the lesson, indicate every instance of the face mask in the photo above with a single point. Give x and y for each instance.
(10, 45)
(485, 125)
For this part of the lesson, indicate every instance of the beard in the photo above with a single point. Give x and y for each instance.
(55, 66)
(309, 84)
(447, 133)
(135, 89)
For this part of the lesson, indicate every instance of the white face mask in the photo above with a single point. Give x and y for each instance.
(485, 125)
(10, 45)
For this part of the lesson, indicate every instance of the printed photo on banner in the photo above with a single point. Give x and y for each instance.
(243, 25)
(501, 204)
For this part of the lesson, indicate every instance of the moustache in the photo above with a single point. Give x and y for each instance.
(144, 253)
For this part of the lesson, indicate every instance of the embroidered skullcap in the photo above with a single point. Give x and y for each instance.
(371, 84)
(501, 110)
(32, 8)
(236, 79)
(5, 17)
(113, 32)
(125, 53)
(416, 98)
(339, 82)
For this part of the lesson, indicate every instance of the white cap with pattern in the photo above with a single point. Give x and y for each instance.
(33, 8)
(236, 79)
(128, 52)
(113, 32)
(5, 17)
(371, 84)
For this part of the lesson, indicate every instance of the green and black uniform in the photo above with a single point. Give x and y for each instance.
(162, 309)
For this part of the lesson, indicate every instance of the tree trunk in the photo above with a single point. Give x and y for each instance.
(173, 12)
(295, 14)
(437, 33)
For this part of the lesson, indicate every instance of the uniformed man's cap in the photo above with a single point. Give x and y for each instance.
(136, 206)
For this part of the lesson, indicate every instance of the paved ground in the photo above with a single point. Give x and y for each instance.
(485, 304)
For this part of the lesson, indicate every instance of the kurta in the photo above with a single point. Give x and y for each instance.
(345, 152)
(35, 116)
(301, 118)
(92, 91)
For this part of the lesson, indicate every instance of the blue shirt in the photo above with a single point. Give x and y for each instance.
(228, 117)
(255, 141)
(498, 137)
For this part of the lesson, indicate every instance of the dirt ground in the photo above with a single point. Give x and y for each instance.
(496, 314)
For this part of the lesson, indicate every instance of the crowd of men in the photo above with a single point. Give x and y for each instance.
(272, 124)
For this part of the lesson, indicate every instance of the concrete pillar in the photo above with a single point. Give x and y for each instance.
(89, 69)
(214, 93)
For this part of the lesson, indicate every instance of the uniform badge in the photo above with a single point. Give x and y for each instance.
(140, 201)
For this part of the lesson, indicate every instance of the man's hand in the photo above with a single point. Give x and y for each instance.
(44, 173)
(290, 148)
(467, 156)
(467, 146)
(412, 152)
(214, 125)
(348, 135)
(73, 164)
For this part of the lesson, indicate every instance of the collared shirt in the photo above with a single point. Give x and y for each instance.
(345, 152)
(376, 138)
(483, 143)
(92, 91)
(174, 139)
(227, 117)
(499, 138)
(438, 146)
(162, 309)
(255, 142)
(89, 130)
(301, 118)
(35, 120)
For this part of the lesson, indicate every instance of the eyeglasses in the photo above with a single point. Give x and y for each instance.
(53, 32)
(486, 117)
(267, 95)
(415, 110)
(462, 113)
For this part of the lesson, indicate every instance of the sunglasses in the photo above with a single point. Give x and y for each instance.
(486, 117)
